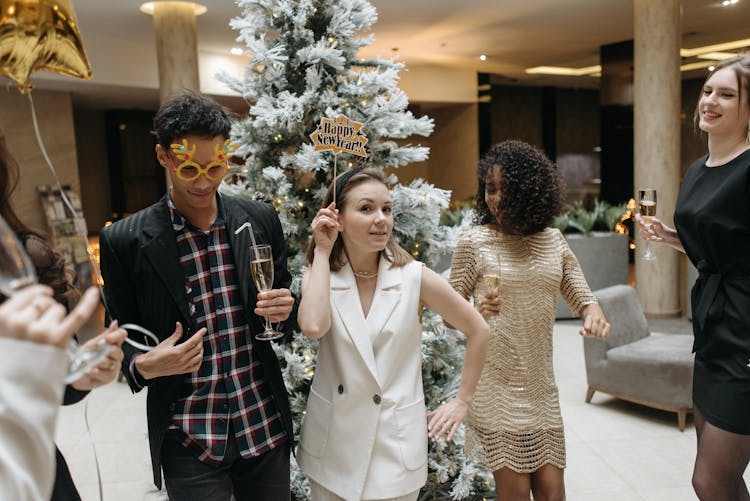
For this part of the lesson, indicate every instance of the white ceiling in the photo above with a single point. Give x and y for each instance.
(514, 34)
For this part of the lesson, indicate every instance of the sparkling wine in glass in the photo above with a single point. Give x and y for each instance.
(647, 207)
(16, 272)
(490, 271)
(261, 267)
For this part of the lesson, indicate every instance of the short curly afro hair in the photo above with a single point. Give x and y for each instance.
(531, 188)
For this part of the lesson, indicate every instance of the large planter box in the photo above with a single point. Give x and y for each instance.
(604, 259)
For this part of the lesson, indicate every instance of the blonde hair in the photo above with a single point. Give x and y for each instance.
(393, 252)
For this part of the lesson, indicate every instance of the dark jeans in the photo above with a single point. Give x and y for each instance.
(261, 478)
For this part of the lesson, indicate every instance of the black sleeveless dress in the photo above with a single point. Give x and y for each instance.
(712, 218)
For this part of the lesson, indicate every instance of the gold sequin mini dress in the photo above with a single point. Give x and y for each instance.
(514, 420)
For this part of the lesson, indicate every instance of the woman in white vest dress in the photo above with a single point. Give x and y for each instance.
(364, 435)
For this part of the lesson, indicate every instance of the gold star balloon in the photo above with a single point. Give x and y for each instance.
(40, 35)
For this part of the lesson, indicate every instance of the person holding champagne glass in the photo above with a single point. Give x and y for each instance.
(35, 331)
(712, 226)
(514, 266)
(647, 208)
(219, 420)
(51, 268)
(365, 430)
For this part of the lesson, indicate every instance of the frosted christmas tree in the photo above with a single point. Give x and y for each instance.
(304, 65)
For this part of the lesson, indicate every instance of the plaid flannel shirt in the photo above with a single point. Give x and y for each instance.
(230, 386)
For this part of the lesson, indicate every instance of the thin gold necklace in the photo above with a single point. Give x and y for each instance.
(365, 274)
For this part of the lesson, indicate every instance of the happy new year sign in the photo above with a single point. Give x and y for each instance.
(339, 134)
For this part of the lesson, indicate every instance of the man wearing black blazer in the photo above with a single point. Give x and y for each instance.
(219, 422)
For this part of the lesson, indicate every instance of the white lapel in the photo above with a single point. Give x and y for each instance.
(387, 295)
(349, 308)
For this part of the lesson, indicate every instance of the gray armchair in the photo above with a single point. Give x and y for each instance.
(632, 364)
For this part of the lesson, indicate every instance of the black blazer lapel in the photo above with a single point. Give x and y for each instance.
(241, 243)
(160, 248)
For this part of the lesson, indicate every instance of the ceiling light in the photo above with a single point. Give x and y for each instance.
(237, 51)
(559, 70)
(198, 9)
(727, 3)
(482, 57)
(711, 68)
(737, 44)
(716, 56)
(711, 53)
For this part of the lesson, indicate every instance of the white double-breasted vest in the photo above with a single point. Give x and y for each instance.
(364, 434)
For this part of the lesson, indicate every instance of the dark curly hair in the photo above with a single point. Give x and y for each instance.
(531, 188)
(190, 113)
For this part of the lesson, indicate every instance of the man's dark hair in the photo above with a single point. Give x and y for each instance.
(531, 188)
(190, 114)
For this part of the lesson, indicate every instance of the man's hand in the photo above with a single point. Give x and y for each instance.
(276, 304)
(32, 315)
(169, 358)
(108, 369)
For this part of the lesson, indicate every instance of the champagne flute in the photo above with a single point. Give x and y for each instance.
(647, 205)
(261, 267)
(490, 272)
(16, 272)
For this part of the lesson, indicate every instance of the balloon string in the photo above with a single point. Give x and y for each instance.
(93, 448)
(89, 251)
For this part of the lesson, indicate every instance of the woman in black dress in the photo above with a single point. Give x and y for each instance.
(712, 220)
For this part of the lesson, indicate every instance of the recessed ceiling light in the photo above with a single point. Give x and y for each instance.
(236, 51)
(711, 68)
(482, 57)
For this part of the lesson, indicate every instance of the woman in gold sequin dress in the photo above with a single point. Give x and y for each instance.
(513, 266)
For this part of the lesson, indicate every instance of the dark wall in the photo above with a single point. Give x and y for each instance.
(93, 172)
(517, 114)
(693, 143)
(577, 121)
(521, 113)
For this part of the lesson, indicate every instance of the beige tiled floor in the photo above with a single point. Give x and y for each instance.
(616, 451)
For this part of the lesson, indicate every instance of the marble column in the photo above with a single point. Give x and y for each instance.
(656, 95)
(176, 47)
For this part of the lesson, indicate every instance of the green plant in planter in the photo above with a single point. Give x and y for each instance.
(577, 219)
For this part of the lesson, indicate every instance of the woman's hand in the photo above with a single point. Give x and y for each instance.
(33, 315)
(654, 230)
(489, 305)
(325, 227)
(109, 368)
(594, 322)
(446, 418)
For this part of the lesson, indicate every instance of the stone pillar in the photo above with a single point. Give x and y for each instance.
(657, 30)
(176, 47)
